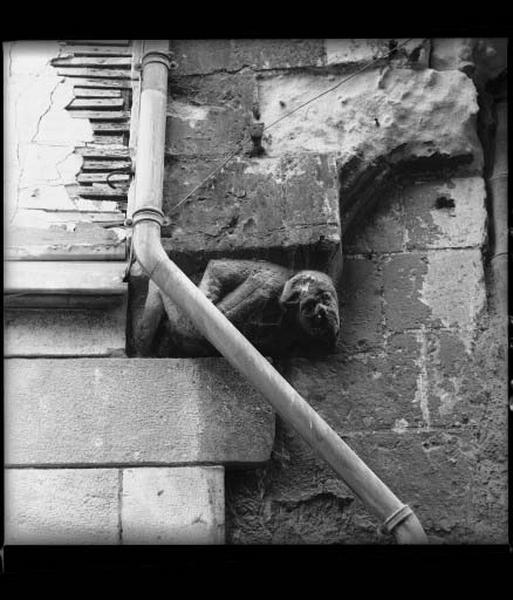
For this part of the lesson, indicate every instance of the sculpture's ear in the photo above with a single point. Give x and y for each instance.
(291, 294)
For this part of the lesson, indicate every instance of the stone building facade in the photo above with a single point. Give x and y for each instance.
(392, 182)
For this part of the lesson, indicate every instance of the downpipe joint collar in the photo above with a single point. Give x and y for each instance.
(155, 56)
(147, 213)
(397, 517)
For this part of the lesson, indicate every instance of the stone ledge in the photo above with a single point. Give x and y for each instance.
(63, 279)
(133, 412)
(96, 330)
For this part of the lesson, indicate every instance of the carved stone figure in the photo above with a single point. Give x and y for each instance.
(279, 311)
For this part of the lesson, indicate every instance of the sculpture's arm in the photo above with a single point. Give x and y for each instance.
(248, 297)
(223, 276)
(261, 286)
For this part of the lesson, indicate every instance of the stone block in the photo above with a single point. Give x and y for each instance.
(194, 130)
(453, 53)
(365, 392)
(268, 203)
(454, 288)
(456, 393)
(423, 215)
(133, 412)
(61, 506)
(403, 276)
(426, 111)
(450, 214)
(180, 505)
(77, 278)
(209, 56)
(360, 298)
(209, 115)
(383, 123)
(356, 52)
(62, 332)
(432, 472)
(443, 288)
(32, 239)
(491, 58)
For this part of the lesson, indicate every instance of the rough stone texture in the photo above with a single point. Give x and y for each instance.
(443, 288)
(450, 214)
(451, 470)
(360, 297)
(491, 58)
(483, 59)
(133, 411)
(344, 120)
(208, 56)
(417, 385)
(451, 380)
(209, 115)
(378, 390)
(181, 505)
(403, 276)
(454, 287)
(365, 130)
(380, 230)
(302, 502)
(357, 52)
(369, 125)
(453, 53)
(286, 202)
(61, 506)
(62, 332)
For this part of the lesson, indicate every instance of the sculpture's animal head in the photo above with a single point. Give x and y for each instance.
(313, 295)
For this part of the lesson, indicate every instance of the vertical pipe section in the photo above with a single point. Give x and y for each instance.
(151, 135)
(221, 332)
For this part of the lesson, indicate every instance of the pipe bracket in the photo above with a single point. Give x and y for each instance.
(154, 56)
(147, 213)
(398, 516)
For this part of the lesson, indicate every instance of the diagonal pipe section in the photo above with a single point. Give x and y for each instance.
(147, 220)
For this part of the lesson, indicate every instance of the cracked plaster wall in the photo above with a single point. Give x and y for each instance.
(40, 135)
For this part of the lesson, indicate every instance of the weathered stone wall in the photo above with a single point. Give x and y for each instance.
(418, 384)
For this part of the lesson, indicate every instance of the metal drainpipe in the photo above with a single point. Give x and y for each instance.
(147, 219)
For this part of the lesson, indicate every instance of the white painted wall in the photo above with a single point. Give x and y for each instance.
(40, 135)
